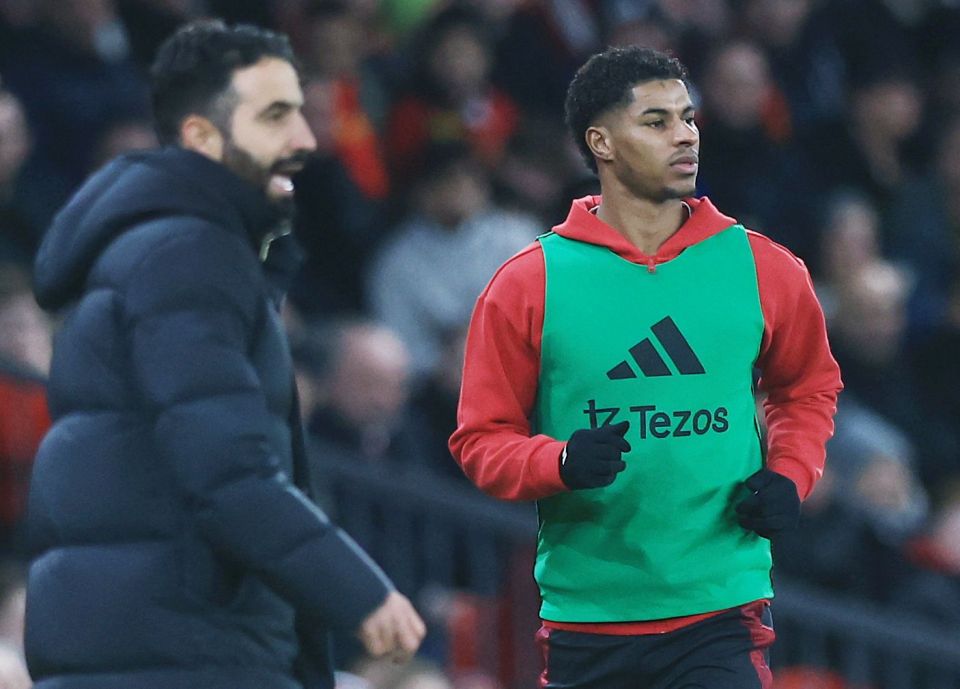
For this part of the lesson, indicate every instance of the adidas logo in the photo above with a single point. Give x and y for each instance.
(649, 360)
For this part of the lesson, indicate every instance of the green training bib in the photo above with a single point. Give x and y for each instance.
(671, 350)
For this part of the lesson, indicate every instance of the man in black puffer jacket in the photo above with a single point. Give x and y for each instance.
(173, 547)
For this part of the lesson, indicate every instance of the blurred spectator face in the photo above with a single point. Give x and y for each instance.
(369, 383)
(459, 63)
(78, 21)
(709, 17)
(123, 137)
(25, 333)
(456, 194)
(946, 534)
(850, 238)
(892, 108)
(872, 312)
(737, 85)
(14, 138)
(336, 45)
(777, 22)
(885, 484)
(642, 32)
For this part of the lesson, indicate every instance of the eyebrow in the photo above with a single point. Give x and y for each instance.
(278, 106)
(664, 111)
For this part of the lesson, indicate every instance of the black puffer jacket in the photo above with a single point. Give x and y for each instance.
(172, 550)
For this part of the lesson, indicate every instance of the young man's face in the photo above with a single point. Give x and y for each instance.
(268, 138)
(653, 142)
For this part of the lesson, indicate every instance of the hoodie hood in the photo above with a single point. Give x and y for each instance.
(583, 225)
(133, 189)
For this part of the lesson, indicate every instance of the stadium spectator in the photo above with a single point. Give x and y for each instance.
(855, 528)
(25, 335)
(450, 97)
(74, 73)
(868, 332)
(874, 149)
(848, 238)
(345, 187)
(748, 152)
(922, 229)
(356, 378)
(18, 235)
(425, 279)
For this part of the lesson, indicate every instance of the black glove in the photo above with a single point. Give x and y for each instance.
(774, 505)
(591, 458)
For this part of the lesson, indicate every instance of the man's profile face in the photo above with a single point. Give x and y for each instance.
(655, 141)
(268, 138)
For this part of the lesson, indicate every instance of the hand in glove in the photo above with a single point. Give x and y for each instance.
(591, 458)
(773, 506)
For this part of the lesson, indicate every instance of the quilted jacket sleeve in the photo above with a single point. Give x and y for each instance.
(191, 309)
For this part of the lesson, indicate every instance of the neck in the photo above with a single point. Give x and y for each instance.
(647, 224)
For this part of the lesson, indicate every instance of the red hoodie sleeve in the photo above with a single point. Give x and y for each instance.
(492, 442)
(798, 374)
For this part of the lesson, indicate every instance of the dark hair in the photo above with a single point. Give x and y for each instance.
(193, 69)
(604, 82)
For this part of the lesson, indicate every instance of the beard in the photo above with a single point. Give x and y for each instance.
(245, 166)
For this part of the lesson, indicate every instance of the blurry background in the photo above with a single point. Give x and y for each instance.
(832, 126)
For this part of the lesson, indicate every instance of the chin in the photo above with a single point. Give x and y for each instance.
(282, 203)
(680, 192)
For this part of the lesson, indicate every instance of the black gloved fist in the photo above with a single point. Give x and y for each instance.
(773, 507)
(591, 458)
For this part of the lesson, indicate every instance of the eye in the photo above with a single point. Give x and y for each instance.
(655, 124)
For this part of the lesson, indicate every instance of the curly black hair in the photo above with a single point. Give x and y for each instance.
(192, 70)
(605, 81)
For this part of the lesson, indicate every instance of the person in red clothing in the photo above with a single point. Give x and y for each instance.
(451, 97)
(25, 336)
(609, 375)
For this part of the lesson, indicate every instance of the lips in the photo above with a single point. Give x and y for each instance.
(686, 164)
(687, 159)
(281, 177)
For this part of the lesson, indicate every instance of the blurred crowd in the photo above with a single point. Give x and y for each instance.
(832, 126)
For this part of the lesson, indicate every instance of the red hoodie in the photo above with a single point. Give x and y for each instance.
(799, 376)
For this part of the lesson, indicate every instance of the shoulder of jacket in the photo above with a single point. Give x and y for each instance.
(768, 251)
(522, 270)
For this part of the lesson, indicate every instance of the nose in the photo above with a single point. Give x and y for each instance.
(301, 137)
(686, 133)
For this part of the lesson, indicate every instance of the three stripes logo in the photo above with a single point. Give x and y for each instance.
(651, 364)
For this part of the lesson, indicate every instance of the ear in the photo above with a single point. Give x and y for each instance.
(600, 143)
(197, 133)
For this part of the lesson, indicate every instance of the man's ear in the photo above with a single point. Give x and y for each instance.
(600, 143)
(197, 133)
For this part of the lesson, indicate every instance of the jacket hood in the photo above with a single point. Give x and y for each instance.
(136, 188)
(582, 224)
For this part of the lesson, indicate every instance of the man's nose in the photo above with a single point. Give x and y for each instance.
(686, 133)
(302, 139)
